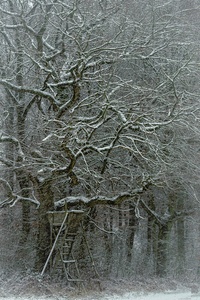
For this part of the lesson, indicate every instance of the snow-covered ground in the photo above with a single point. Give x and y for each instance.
(33, 287)
(155, 296)
(187, 295)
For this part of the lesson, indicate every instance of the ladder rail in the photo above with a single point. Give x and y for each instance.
(54, 244)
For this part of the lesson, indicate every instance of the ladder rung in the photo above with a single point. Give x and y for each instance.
(56, 224)
(69, 240)
(75, 279)
(69, 261)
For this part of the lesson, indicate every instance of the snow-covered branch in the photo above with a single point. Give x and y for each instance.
(33, 91)
(13, 198)
(102, 200)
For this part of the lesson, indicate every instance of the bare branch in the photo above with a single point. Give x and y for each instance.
(37, 92)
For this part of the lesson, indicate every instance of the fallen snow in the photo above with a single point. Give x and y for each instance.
(127, 296)
(157, 296)
(33, 287)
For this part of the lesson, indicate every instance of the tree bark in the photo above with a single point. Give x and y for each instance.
(151, 233)
(43, 239)
(22, 176)
(131, 233)
(181, 245)
(162, 247)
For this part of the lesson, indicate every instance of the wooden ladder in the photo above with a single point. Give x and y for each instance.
(64, 227)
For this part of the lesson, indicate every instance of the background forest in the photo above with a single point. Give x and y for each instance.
(99, 105)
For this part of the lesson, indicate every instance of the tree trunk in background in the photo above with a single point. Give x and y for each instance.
(132, 222)
(162, 248)
(151, 232)
(26, 210)
(9, 147)
(107, 235)
(177, 202)
(181, 245)
(21, 175)
(93, 214)
(181, 235)
(120, 243)
(46, 197)
(23, 248)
